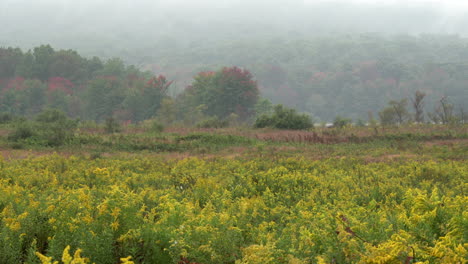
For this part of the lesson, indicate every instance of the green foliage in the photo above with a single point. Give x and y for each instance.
(55, 127)
(224, 211)
(444, 113)
(395, 114)
(104, 96)
(23, 130)
(157, 126)
(213, 122)
(211, 141)
(284, 118)
(341, 122)
(168, 111)
(88, 88)
(227, 91)
(112, 126)
(263, 107)
(50, 128)
(6, 118)
(360, 123)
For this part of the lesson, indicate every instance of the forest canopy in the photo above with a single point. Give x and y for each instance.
(349, 76)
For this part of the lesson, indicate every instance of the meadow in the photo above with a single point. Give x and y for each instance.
(241, 196)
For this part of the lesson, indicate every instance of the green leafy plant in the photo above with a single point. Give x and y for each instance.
(284, 118)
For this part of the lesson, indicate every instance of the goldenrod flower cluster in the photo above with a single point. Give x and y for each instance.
(232, 211)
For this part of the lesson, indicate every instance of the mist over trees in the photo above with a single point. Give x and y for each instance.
(326, 59)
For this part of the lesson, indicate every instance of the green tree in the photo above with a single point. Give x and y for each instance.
(33, 96)
(43, 58)
(227, 91)
(263, 107)
(418, 105)
(68, 64)
(443, 112)
(143, 100)
(341, 122)
(104, 96)
(395, 114)
(167, 113)
(9, 61)
(113, 67)
(26, 66)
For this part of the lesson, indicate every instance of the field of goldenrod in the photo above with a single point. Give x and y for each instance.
(232, 211)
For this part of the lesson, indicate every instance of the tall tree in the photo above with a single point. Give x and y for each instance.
(395, 113)
(43, 58)
(104, 96)
(9, 60)
(227, 91)
(418, 106)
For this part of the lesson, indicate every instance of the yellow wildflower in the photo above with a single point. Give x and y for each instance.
(127, 260)
(115, 225)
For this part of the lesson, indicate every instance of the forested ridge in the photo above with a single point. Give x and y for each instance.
(339, 75)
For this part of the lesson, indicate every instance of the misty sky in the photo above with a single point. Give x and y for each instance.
(130, 23)
(447, 5)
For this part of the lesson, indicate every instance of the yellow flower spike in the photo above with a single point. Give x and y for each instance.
(50, 208)
(45, 259)
(23, 216)
(115, 225)
(115, 212)
(87, 219)
(77, 259)
(66, 257)
(127, 260)
(15, 226)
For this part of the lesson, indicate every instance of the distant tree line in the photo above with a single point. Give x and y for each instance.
(86, 88)
(338, 74)
(444, 112)
(97, 90)
(110, 91)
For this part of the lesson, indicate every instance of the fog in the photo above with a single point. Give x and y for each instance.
(285, 43)
(127, 23)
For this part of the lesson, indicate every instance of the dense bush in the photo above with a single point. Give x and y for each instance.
(156, 126)
(6, 118)
(341, 122)
(284, 118)
(23, 130)
(50, 128)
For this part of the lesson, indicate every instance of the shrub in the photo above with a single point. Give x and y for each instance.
(51, 128)
(6, 118)
(341, 122)
(152, 125)
(213, 122)
(22, 131)
(156, 126)
(284, 118)
(54, 127)
(112, 126)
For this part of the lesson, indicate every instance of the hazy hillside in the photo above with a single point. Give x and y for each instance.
(324, 58)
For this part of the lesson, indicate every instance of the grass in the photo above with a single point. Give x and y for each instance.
(415, 142)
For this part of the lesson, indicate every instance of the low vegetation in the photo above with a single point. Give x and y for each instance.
(259, 210)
